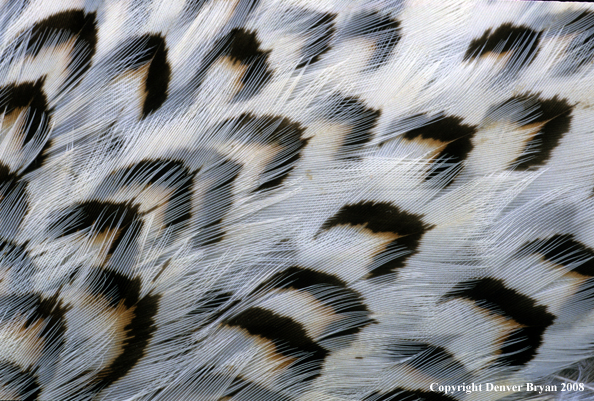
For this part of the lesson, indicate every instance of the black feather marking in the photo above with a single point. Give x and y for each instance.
(12, 251)
(563, 249)
(380, 27)
(495, 297)
(15, 262)
(394, 263)
(580, 51)
(242, 47)
(11, 185)
(87, 36)
(23, 382)
(64, 25)
(582, 54)
(95, 212)
(158, 76)
(282, 133)
(300, 278)
(453, 152)
(556, 115)
(288, 336)
(147, 172)
(377, 217)
(353, 111)
(115, 287)
(400, 394)
(218, 200)
(106, 216)
(281, 165)
(5, 174)
(383, 218)
(139, 333)
(40, 159)
(27, 95)
(522, 40)
(386, 45)
(319, 36)
(35, 308)
(13, 305)
(14, 201)
(440, 128)
(426, 357)
(54, 315)
(580, 18)
(151, 50)
(265, 130)
(61, 27)
(456, 136)
(344, 300)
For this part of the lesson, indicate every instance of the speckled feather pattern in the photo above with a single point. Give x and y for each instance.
(295, 200)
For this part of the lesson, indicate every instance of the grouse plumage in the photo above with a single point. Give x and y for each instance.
(296, 200)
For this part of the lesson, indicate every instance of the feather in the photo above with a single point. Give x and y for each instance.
(296, 200)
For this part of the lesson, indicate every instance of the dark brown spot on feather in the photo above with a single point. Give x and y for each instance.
(361, 119)
(62, 27)
(381, 28)
(380, 218)
(343, 300)
(19, 383)
(319, 36)
(288, 336)
(495, 297)
(30, 96)
(243, 47)
(520, 40)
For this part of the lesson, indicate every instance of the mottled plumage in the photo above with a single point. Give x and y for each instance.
(296, 200)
